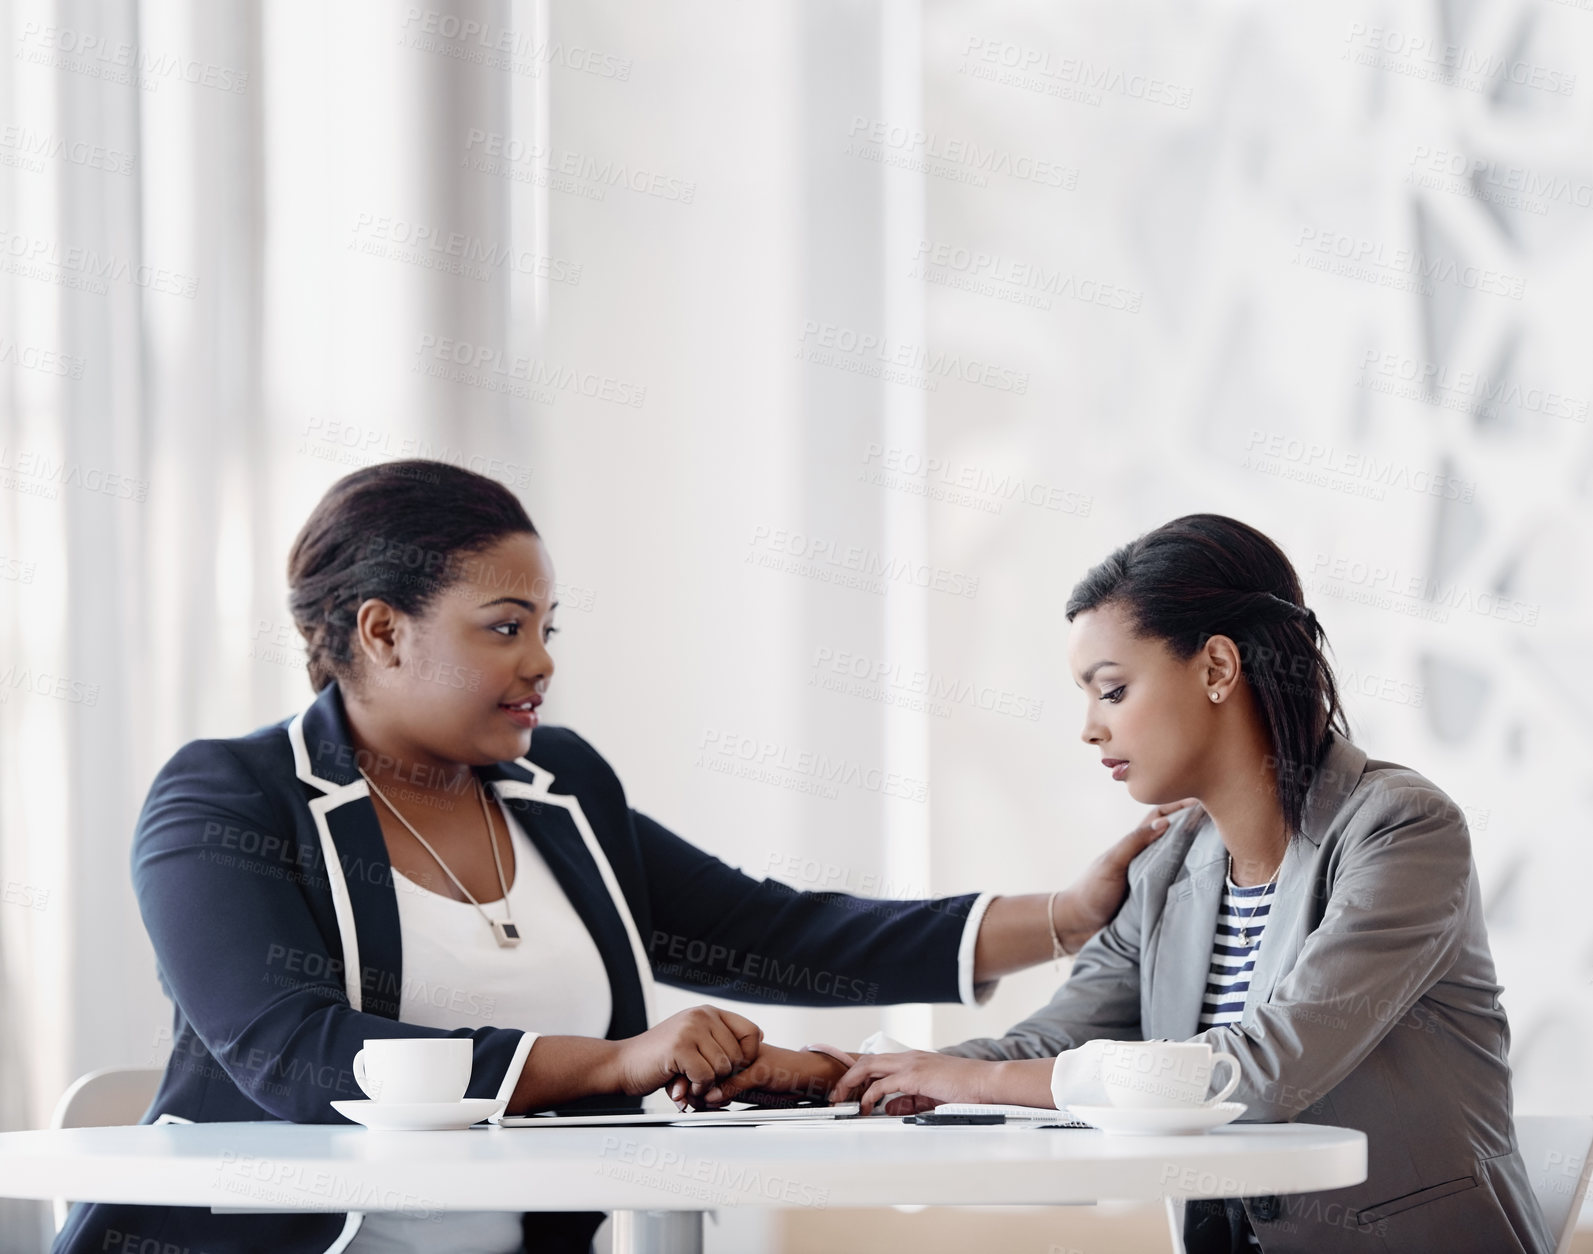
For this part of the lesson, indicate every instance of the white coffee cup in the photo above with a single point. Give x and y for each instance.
(1149, 1074)
(411, 1069)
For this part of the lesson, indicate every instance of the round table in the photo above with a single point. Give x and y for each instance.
(660, 1180)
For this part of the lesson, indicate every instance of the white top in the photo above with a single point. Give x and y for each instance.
(457, 976)
(1240, 923)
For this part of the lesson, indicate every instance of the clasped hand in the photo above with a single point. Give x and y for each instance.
(708, 1057)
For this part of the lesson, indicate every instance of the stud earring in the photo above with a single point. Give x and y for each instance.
(1216, 696)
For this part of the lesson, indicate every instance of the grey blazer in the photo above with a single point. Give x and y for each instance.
(1373, 1005)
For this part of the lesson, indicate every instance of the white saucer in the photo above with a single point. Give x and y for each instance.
(420, 1116)
(1162, 1121)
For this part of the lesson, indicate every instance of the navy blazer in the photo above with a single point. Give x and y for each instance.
(263, 879)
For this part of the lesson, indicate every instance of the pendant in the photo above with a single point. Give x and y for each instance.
(505, 933)
(1244, 937)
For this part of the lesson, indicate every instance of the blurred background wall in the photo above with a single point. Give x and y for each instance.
(828, 343)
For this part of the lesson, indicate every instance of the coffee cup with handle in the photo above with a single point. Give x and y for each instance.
(415, 1069)
(1164, 1075)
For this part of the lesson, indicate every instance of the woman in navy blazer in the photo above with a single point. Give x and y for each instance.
(265, 873)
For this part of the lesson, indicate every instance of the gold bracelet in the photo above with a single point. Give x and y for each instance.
(1057, 951)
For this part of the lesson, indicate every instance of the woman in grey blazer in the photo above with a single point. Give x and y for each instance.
(1371, 1001)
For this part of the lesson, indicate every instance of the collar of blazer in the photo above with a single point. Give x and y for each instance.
(1176, 969)
(365, 897)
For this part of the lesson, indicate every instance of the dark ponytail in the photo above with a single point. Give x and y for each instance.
(397, 532)
(1205, 575)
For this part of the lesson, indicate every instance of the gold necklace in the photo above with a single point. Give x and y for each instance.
(503, 930)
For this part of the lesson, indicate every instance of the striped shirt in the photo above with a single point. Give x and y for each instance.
(1228, 980)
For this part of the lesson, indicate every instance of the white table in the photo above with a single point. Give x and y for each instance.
(659, 1181)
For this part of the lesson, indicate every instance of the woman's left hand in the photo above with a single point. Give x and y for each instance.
(1097, 895)
(926, 1078)
(797, 1073)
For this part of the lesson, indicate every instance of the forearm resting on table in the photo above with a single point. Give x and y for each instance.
(1022, 1082)
(563, 1068)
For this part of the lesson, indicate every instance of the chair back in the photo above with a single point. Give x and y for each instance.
(112, 1097)
(1558, 1152)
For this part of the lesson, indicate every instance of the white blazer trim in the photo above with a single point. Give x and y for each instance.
(301, 756)
(511, 1076)
(341, 903)
(351, 1226)
(541, 778)
(538, 791)
(973, 994)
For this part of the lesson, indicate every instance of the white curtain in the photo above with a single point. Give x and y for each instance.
(77, 513)
(194, 346)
